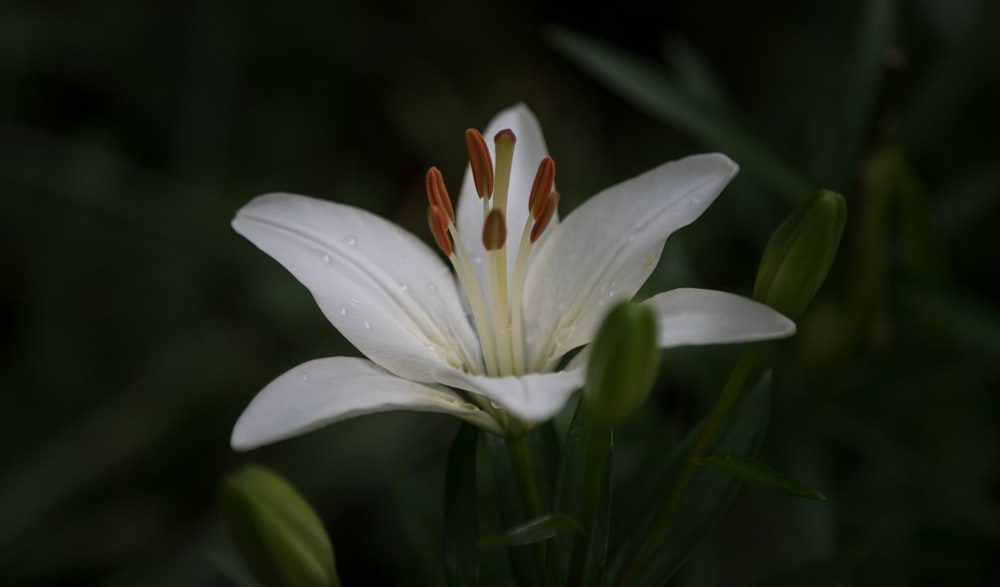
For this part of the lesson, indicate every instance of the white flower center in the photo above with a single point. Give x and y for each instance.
(496, 312)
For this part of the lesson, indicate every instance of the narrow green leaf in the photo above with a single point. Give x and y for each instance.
(648, 88)
(969, 197)
(968, 322)
(543, 528)
(706, 500)
(232, 568)
(956, 81)
(694, 73)
(874, 36)
(461, 510)
(922, 251)
(589, 552)
(543, 441)
(569, 483)
(600, 523)
(522, 562)
(757, 473)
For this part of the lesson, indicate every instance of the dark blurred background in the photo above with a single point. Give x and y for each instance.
(135, 324)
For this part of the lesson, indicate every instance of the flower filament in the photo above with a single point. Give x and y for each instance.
(497, 314)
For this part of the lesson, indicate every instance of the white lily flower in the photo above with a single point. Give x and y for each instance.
(483, 339)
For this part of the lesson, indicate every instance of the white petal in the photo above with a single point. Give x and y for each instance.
(606, 249)
(386, 291)
(535, 397)
(704, 316)
(529, 150)
(323, 391)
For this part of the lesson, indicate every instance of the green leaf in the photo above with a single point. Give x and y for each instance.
(461, 510)
(875, 36)
(600, 522)
(522, 563)
(232, 568)
(757, 473)
(542, 528)
(706, 500)
(921, 250)
(955, 83)
(569, 483)
(648, 88)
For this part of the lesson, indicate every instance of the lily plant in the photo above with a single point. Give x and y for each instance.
(482, 327)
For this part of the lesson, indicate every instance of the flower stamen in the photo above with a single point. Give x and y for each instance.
(480, 162)
(437, 193)
(441, 218)
(542, 187)
(439, 228)
(497, 317)
(494, 230)
(545, 210)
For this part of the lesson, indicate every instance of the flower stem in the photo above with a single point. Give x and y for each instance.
(724, 405)
(520, 458)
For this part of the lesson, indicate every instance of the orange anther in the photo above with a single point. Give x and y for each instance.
(544, 179)
(547, 211)
(480, 162)
(494, 230)
(437, 194)
(439, 228)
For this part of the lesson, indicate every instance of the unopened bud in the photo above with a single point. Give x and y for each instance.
(624, 360)
(275, 530)
(800, 253)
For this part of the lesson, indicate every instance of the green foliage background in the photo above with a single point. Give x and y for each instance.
(135, 324)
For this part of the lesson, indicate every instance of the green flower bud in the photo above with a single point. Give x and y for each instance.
(623, 363)
(275, 530)
(800, 253)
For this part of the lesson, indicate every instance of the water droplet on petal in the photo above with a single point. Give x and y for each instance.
(351, 240)
(343, 312)
(304, 376)
(431, 287)
(478, 260)
(354, 301)
(403, 287)
(368, 325)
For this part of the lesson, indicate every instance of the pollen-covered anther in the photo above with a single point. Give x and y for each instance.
(437, 194)
(547, 209)
(480, 162)
(545, 177)
(494, 230)
(439, 228)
